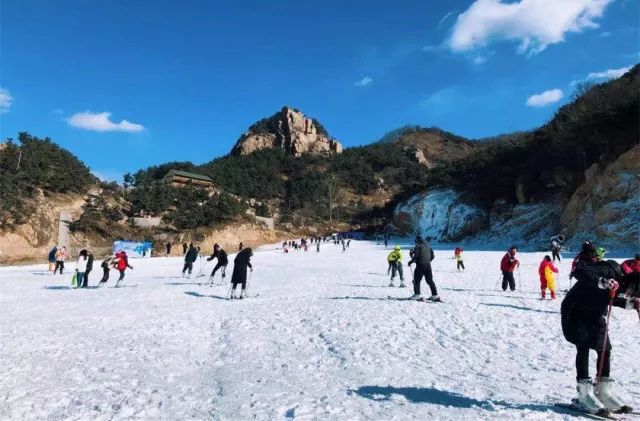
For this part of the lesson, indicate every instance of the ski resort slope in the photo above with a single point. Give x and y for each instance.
(320, 339)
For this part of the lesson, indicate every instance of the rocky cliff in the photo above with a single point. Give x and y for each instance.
(289, 130)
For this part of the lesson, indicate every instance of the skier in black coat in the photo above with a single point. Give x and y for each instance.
(422, 257)
(85, 280)
(189, 259)
(584, 311)
(223, 260)
(239, 276)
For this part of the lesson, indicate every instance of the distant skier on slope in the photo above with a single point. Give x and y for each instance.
(507, 265)
(457, 254)
(422, 257)
(189, 259)
(223, 260)
(547, 280)
(239, 276)
(557, 244)
(584, 324)
(395, 260)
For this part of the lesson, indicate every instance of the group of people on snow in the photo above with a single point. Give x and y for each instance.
(84, 265)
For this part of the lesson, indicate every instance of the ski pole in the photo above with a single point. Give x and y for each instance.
(606, 337)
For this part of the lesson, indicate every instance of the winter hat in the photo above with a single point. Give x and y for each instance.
(587, 246)
(396, 248)
(600, 252)
(547, 258)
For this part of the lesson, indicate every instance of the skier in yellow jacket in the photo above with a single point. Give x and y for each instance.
(547, 280)
(395, 261)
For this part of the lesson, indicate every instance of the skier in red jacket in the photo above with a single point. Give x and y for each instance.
(507, 265)
(122, 263)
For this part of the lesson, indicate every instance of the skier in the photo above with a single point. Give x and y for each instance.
(109, 261)
(122, 265)
(52, 258)
(348, 243)
(85, 279)
(61, 255)
(168, 248)
(239, 275)
(223, 260)
(586, 250)
(422, 257)
(507, 265)
(386, 241)
(318, 246)
(184, 248)
(631, 265)
(189, 259)
(457, 254)
(395, 260)
(584, 324)
(81, 267)
(557, 244)
(547, 280)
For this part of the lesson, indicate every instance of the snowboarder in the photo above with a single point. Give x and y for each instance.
(85, 279)
(189, 259)
(557, 244)
(223, 260)
(168, 248)
(507, 265)
(422, 257)
(547, 280)
(584, 324)
(184, 248)
(631, 265)
(109, 261)
(52, 258)
(61, 255)
(395, 260)
(457, 254)
(122, 265)
(239, 275)
(81, 267)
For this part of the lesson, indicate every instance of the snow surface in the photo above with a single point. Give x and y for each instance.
(320, 341)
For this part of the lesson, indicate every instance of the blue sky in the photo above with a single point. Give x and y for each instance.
(182, 80)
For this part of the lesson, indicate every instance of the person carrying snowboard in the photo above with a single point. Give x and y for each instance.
(223, 260)
(422, 257)
(239, 275)
(457, 254)
(584, 313)
(189, 259)
(395, 260)
(507, 265)
(547, 280)
(122, 265)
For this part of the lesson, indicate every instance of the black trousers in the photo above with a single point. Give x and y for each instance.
(105, 275)
(556, 254)
(418, 274)
(85, 279)
(121, 275)
(243, 283)
(187, 266)
(218, 266)
(58, 265)
(507, 279)
(460, 264)
(582, 362)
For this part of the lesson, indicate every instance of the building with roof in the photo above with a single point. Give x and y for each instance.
(179, 178)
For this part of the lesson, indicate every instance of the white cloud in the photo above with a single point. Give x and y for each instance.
(534, 24)
(608, 74)
(5, 100)
(100, 122)
(545, 98)
(363, 82)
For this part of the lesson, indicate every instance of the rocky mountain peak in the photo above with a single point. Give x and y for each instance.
(289, 130)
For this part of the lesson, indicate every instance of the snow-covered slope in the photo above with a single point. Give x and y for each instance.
(320, 341)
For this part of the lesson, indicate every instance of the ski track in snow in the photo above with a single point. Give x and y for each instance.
(320, 341)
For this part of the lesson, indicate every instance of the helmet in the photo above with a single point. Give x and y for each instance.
(600, 252)
(587, 246)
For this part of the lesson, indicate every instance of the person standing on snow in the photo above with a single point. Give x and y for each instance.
(52, 258)
(81, 268)
(557, 242)
(168, 248)
(109, 261)
(223, 260)
(239, 275)
(457, 254)
(395, 260)
(85, 278)
(584, 323)
(61, 255)
(122, 265)
(586, 250)
(547, 280)
(422, 257)
(631, 265)
(507, 265)
(189, 259)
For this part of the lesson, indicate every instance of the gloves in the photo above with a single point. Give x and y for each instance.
(610, 284)
(633, 304)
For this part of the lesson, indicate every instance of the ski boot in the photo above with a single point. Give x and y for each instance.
(233, 295)
(587, 400)
(543, 295)
(416, 297)
(553, 295)
(609, 398)
(402, 285)
(243, 294)
(434, 298)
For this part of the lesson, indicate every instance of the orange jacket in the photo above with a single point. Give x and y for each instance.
(546, 270)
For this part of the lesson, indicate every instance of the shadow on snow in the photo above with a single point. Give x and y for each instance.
(519, 308)
(198, 295)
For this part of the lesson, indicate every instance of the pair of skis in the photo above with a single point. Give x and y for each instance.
(597, 416)
(420, 300)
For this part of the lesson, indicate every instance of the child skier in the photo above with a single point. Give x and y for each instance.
(395, 260)
(109, 261)
(584, 324)
(547, 280)
(507, 265)
(189, 259)
(239, 276)
(223, 260)
(457, 254)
